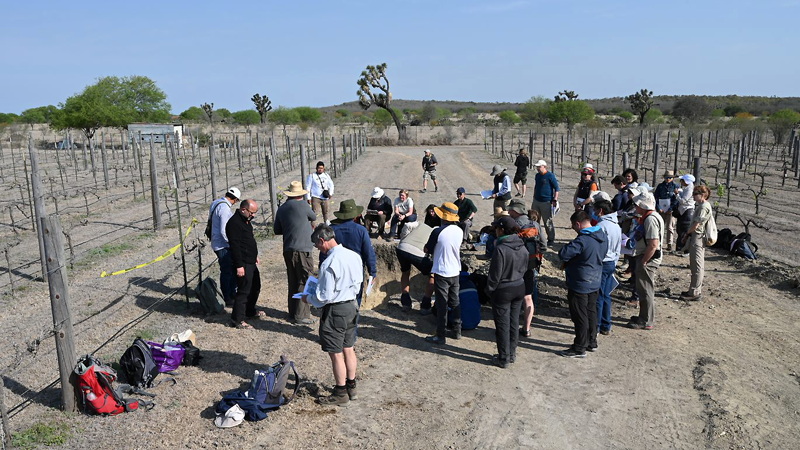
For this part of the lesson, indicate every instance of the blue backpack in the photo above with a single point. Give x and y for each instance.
(265, 392)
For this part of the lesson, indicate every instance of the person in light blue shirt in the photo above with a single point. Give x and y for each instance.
(340, 278)
(220, 212)
(607, 220)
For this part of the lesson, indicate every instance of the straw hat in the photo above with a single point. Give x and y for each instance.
(295, 190)
(669, 174)
(448, 211)
(377, 192)
(348, 210)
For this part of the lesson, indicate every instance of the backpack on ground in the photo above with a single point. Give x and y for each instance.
(535, 246)
(743, 247)
(191, 354)
(95, 383)
(724, 239)
(138, 365)
(265, 392)
(167, 357)
(210, 218)
(710, 236)
(469, 301)
(210, 297)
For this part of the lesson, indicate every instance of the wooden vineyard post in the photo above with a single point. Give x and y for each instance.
(638, 150)
(333, 157)
(697, 170)
(626, 160)
(139, 157)
(91, 156)
(212, 170)
(273, 191)
(552, 151)
(177, 180)
(154, 195)
(613, 158)
(38, 201)
(303, 168)
(103, 158)
(655, 165)
(59, 302)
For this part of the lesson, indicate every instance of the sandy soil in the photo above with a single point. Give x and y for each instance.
(721, 373)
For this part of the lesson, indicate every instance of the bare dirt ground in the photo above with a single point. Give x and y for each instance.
(721, 373)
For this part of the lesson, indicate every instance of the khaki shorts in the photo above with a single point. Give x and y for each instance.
(429, 174)
(337, 327)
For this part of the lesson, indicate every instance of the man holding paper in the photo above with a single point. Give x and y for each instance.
(340, 279)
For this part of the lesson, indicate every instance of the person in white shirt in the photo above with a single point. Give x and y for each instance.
(404, 212)
(445, 244)
(219, 212)
(340, 278)
(320, 191)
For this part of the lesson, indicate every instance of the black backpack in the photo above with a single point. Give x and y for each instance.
(138, 365)
(724, 239)
(191, 355)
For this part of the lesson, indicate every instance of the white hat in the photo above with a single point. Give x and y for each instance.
(377, 192)
(232, 417)
(588, 166)
(235, 192)
(427, 150)
(187, 335)
(644, 187)
(596, 196)
(540, 162)
(645, 200)
(688, 178)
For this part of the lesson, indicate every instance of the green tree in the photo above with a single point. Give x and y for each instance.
(641, 102)
(570, 112)
(223, 114)
(781, 123)
(652, 116)
(374, 78)
(691, 109)
(208, 109)
(732, 110)
(382, 118)
(307, 114)
(342, 113)
(429, 113)
(284, 116)
(509, 117)
(627, 115)
(536, 109)
(193, 114)
(443, 113)
(718, 113)
(263, 106)
(8, 118)
(42, 114)
(246, 117)
(113, 102)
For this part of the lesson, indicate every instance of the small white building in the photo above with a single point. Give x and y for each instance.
(143, 131)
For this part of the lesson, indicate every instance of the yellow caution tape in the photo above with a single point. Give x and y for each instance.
(162, 257)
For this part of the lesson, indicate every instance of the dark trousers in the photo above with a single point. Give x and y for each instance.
(583, 312)
(506, 305)
(248, 288)
(683, 223)
(227, 274)
(446, 297)
(299, 266)
(604, 299)
(378, 219)
(397, 224)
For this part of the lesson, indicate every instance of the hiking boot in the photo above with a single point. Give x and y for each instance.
(405, 301)
(425, 311)
(640, 326)
(591, 348)
(455, 333)
(351, 389)
(438, 340)
(571, 353)
(338, 398)
(605, 332)
(499, 362)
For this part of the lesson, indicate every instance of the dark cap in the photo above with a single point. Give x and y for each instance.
(505, 222)
(460, 190)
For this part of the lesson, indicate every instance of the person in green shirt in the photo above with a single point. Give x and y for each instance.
(466, 211)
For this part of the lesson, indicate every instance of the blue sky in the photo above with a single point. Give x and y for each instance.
(312, 52)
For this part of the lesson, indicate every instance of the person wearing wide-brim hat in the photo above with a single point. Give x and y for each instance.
(353, 236)
(379, 210)
(649, 235)
(501, 186)
(293, 220)
(445, 244)
(666, 195)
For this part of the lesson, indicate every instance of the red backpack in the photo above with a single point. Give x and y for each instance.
(97, 394)
(533, 243)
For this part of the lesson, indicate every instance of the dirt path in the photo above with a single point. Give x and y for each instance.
(721, 373)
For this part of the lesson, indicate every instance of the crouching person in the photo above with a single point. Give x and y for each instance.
(340, 278)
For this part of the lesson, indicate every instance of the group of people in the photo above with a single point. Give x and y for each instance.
(605, 227)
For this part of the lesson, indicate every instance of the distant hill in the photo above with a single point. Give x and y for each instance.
(752, 104)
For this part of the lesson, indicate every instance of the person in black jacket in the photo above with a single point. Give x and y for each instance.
(506, 288)
(379, 210)
(244, 257)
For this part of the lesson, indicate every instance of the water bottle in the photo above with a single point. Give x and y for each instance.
(90, 396)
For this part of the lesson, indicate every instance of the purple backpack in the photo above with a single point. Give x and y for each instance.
(167, 357)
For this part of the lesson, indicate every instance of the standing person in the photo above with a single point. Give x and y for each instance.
(545, 198)
(630, 176)
(649, 236)
(429, 164)
(534, 244)
(403, 212)
(521, 175)
(621, 198)
(354, 237)
(694, 236)
(340, 277)
(220, 212)
(379, 210)
(501, 186)
(466, 211)
(411, 252)
(666, 195)
(506, 288)
(583, 193)
(320, 192)
(607, 220)
(583, 257)
(444, 243)
(293, 220)
(685, 210)
(244, 259)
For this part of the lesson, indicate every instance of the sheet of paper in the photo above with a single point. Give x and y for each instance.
(555, 209)
(370, 282)
(663, 203)
(309, 288)
(486, 194)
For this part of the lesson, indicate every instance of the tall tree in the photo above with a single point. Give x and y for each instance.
(536, 109)
(263, 106)
(374, 78)
(566, 96)
(781, 123)
(568, 109)
(640, 102)
(209, 110)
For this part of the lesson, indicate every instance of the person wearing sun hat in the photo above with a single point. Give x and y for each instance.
(353, 236)
(379, 210)
(293, 220)
(685, 210)
(445, 244)
(649, 235)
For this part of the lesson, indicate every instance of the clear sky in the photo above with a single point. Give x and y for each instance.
(312, 52)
